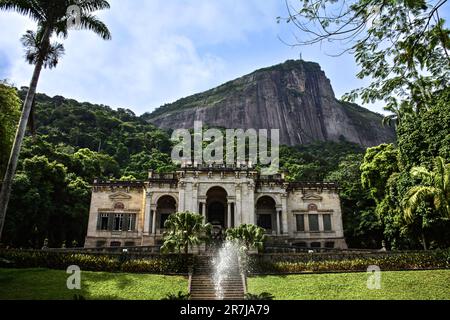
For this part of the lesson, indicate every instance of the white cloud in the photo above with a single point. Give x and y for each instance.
(159, 52)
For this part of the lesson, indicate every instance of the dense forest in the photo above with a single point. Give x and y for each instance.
(69, 144)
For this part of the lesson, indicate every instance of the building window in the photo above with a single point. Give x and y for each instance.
(316, 244)
(131, 221)
(300, 245)
(115, 244)
(327, 222)
(104, 221)
(313, 222)
(300, 222)
(129, 244)
(329, 245)
(118, 222)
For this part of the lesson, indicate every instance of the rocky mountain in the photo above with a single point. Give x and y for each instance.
(295, 97)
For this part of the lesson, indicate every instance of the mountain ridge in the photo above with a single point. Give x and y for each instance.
(295, 97)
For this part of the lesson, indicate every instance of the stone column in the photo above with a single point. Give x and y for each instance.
(278, 224)
(195, 197)
(284, 214)
(229, 215)
(181, 204)
(251, 218)
(203, 209)
(238, 207)
(147, 218)
(154, 222)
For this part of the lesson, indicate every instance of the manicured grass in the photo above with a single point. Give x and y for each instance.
(43, 284)
(401, 285)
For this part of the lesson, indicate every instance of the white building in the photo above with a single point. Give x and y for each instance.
(133, 213)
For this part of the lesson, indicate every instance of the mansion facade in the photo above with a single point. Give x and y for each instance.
(133, 213)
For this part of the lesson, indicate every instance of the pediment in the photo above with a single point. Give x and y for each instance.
(312, 197)
(120, 196)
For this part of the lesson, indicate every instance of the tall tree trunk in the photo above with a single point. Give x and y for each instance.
(424, 241)
(21, 129)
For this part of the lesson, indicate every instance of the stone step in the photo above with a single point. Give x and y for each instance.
(203, 286)
(234, 282)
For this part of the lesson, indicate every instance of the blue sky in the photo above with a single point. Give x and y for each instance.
(163, 50)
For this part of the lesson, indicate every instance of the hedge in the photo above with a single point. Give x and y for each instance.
(307, 263)
(155, 263)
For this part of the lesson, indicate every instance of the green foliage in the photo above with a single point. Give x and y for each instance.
(426, 135)
(154, 264)
(48, 202)
(74, 144)
(9, 117)
(248, 236)
(261, 297)
(362, 228)
(161, 264)
(180, 296)
(378, 165)
(438, 259)
(314, 161)
(434, 189)
(183, 231)
(402, 46)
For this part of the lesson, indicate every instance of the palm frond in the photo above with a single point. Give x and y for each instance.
(421, 173)
(34, 50)
(28, 8)
(94, 5)
(416, 196)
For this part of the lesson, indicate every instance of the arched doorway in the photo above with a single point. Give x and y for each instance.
(166, 206)
(266, 213)
(216, 205)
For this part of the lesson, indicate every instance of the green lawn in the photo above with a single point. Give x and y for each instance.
(402, 285)
(51, 284)
(43, 284)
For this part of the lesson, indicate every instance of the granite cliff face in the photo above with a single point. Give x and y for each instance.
(295, 97)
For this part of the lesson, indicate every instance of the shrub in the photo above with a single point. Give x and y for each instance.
(161, 264)
(439, 259)
(260, 297)
(177, 297)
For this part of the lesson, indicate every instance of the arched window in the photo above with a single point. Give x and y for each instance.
(119, 206)
(312, 207)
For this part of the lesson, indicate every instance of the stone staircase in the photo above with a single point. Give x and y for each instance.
(203, 287)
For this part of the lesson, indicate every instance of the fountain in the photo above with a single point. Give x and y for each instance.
(226, 268)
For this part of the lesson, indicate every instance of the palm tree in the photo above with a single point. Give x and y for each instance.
(248, 236)
(53, 18)
(184, 230)
(434, 189)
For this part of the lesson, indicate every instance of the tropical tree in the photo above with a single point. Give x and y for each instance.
(247, 236)
(377, 167)
(433, 191)
(9, 115)
(183, 231)
(53, 18)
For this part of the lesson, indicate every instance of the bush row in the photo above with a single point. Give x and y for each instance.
(156, 264)
(388, 262)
